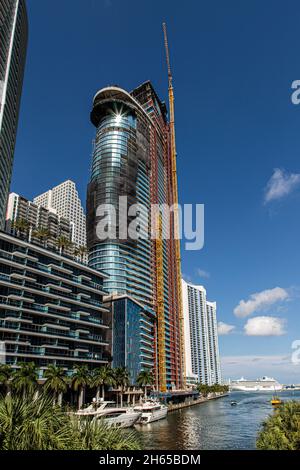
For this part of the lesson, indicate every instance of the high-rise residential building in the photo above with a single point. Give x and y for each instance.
(65, 202)
(132, 157)
(13, 45)
(201, 336)
(133, 341)
(51, 308)
(213, 340)
(37, 217)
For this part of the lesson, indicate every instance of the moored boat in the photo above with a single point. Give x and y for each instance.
(276, 401)
(111, 415)
(151, 411)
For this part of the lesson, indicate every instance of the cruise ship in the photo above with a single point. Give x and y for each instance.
(265, 384)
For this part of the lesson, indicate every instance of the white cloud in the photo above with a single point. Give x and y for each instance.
(265, 326)
(281, 184)
(203, 273)
(252, 367)
(260, 301)
(224, 328)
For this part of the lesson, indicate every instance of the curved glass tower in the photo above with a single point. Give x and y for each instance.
(118, 169)
(13, 45)
(132, 158)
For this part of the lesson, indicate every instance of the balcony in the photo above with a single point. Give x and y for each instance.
(66, 355)
(24, 254)
(82, 280)
(45, 331)
(52, 313)
(21, 277)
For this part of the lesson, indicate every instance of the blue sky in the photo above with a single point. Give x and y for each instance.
(233, 65)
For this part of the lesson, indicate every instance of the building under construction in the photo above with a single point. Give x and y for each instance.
(135, 156)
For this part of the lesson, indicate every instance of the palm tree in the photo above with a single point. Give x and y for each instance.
(121, 380)
(34, 424)
(55, 382)
(63, 243)
(80, 252)
(101, 377)
(25, 379)
(81, 379)
(31, 423)
(145, 379)
(96, 436)
(21, 226)
(42, 234)
(5, 376)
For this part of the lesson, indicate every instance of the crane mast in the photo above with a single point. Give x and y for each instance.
(176, 211)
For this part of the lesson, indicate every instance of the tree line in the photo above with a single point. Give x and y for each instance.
(22, 227)
(24, 381)
(206, 390)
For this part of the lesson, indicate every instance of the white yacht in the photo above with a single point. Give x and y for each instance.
(151, 411)
(265, 384)
(111, 415)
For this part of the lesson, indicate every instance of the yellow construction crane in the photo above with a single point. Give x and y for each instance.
(176, 211)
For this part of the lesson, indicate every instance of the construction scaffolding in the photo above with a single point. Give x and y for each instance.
(160, 307)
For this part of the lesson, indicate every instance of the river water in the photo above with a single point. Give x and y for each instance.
(212, 425)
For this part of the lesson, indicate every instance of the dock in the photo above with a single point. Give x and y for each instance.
(198, 401)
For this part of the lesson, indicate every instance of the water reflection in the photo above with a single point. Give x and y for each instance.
(213, 425)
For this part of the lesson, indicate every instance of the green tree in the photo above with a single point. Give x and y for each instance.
(63, 243)
(281, 431)
(81, 379)
(100, 378)
(33, 423)
(80, 252)
(42, 234)
(121, 380)
(21, 227)
(96, 436)
(145, 379)
(203, 389)
(55, 382)
(5, 376)
(25, 379)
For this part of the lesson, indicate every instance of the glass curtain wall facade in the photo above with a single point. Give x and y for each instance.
(133, 336)
(132, 158)
(13, 45)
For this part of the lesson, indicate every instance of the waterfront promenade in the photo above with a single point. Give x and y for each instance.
(198, 401)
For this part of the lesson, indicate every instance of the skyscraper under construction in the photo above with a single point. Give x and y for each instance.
(133, 157)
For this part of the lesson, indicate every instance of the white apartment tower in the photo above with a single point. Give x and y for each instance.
(201, 337)
(65, 202)
(213, 343)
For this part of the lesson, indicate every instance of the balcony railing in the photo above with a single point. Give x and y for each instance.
(38, 351)
(50, 310)
(47, 269)
(49, 290)
(49, 330)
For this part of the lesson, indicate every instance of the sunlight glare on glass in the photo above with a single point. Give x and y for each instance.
(118, 118)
